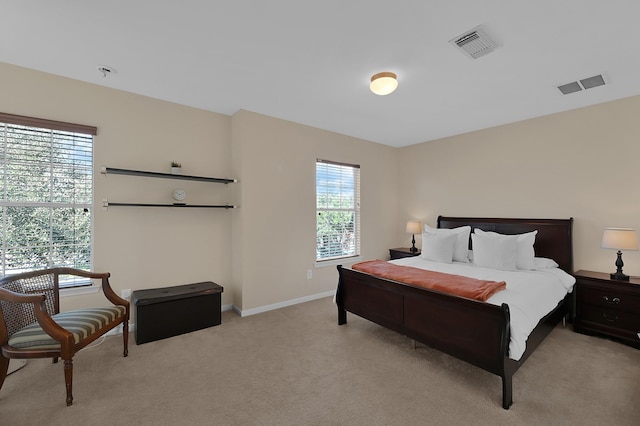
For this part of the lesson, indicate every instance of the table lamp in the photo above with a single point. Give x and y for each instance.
(620, 239)
(413, 227)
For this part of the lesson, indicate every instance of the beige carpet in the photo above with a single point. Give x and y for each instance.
(296, 366)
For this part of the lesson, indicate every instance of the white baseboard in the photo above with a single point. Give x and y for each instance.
(247, 312)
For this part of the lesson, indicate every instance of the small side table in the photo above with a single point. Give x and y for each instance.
(607, 307)
(400, 252)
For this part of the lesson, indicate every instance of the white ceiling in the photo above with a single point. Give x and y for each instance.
(310, 62)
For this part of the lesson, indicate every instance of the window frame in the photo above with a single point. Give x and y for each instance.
(356, 209)
(52, 126)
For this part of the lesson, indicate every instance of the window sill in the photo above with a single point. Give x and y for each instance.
(333, 262)
(79, 290)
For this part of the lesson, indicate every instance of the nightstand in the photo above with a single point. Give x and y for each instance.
(607, 307)
(400, 252)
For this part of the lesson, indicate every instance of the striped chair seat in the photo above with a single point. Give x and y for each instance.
(82, 323)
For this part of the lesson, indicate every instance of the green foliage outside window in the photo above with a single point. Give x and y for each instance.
(337, 206)
(45, 209)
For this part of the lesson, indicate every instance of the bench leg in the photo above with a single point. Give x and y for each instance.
(125, 337)
(4, 368)
(68, 379)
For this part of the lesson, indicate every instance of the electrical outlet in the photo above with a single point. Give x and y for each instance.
(309, 274)
(126, 293)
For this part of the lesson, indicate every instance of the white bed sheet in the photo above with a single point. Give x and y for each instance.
(530, 294)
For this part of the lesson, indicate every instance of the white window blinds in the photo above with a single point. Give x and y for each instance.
(337, 210)
(46, 173)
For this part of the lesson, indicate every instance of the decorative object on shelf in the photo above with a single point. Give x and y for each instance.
(383, 83)
(620, 239)
(179, 194)
(413, 227)
(176, 168)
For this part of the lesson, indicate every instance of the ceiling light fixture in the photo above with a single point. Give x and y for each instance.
(383, 83)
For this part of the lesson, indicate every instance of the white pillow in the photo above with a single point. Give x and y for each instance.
(544, 263)
(524, 252)
(461, 248)
(495, 252)
(438, 247)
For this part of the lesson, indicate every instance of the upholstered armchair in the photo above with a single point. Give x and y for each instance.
(32, 326)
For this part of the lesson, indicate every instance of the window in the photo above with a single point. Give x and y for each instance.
(338, 210)
(46, 173)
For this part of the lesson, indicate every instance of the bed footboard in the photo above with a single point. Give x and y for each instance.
(472, 331)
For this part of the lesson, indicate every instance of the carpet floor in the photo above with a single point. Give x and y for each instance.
(296, 366)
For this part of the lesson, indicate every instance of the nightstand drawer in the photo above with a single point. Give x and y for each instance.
(608, 299)
(609, 318)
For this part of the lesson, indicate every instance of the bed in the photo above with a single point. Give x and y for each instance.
(470, 330)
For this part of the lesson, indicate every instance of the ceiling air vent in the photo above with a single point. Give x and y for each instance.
(587, 83)
(475, 43)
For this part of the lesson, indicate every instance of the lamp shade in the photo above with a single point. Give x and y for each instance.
(620, 239)
(383, 83)
(414, 227)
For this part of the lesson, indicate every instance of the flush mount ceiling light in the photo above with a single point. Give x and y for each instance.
(383, 83)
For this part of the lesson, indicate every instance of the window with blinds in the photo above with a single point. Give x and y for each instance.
(337, 210)
(46, 173)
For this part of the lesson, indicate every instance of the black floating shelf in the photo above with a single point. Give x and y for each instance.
(206, 206)
(111, 170)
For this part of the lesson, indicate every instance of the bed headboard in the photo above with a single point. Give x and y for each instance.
(554, 239)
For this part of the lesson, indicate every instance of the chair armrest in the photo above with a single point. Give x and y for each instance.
(13, 297)
(49, 326)
(112, 296)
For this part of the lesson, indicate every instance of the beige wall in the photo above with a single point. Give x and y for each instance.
(259, 252)
(141, 247)
(575, 164)
(579, 164)
(274, 237)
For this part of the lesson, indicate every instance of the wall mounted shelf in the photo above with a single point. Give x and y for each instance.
(106, 203)
(114, 171)
(143, 173)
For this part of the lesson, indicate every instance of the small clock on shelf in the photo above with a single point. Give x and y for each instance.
(179, 195)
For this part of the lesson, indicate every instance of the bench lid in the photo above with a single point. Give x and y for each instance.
(158, 295)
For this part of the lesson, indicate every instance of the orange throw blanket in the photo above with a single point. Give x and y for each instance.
(459, 285)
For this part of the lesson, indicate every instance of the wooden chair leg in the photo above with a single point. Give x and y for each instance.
(125, 337)
(4, 367)
(68, 379)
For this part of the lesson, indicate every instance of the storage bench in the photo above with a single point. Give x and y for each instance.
(170, 311)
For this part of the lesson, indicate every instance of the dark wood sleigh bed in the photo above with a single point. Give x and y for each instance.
(472, 331)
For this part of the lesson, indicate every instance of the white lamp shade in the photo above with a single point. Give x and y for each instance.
(620, 239)
(414, 227)
(383, 83)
